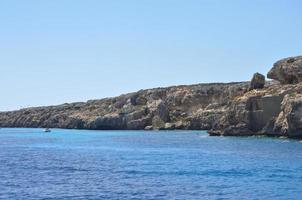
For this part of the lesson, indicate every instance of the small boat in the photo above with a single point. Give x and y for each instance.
(47, 130)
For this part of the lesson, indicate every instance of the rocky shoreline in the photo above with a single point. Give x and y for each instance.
(275, 110)
(258, 107)
(179, 107)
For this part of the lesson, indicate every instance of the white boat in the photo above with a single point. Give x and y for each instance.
(47, 130)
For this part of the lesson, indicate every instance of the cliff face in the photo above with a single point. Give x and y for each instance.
(275, 110)
(256, 112)
(181, 107)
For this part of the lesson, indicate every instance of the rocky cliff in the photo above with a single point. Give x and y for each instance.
(179, 107)
(258, 107)
(275, 110)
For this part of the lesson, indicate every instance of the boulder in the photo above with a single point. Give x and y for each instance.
(287, 71)
(180, 125)
(148, 128)
(169, 126)
(238, 130)
(257, 82)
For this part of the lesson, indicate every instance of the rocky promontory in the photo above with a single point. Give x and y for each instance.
(275, 110)
(256, 107)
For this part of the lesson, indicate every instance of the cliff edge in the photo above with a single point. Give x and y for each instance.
(257, 107)
(179, 107)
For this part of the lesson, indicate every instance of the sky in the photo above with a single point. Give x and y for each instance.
(58, 51)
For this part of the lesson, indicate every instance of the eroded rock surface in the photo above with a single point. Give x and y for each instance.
(289, 121)
(287, 71)
(275, 110)
(179, 107)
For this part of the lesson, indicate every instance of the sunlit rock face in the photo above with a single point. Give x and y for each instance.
(289, 121)
(287, 71)
(179, 107)
(274, 110)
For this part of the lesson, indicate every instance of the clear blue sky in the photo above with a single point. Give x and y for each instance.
(59, 51)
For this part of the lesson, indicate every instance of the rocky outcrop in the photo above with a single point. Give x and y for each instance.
(275, 110)
(179, 107)
(250, 113)
(257, 82)
(287, 71)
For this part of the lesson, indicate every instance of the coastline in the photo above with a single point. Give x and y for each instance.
(257, 107)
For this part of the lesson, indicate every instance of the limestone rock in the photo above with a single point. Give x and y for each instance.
(158, 123)
(257, 82)
(176, 107)
(108, 122)
(169, 126)
(287, 71)
(289, 121)
(148, 128)
(274, 111)
(138, 124)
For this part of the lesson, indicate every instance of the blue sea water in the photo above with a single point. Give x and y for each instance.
(79, 164)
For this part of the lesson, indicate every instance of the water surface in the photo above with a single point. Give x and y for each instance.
(78, 164)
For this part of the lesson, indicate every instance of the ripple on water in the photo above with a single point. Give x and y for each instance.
(74, 164)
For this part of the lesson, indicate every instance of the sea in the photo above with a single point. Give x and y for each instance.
(143, 165)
